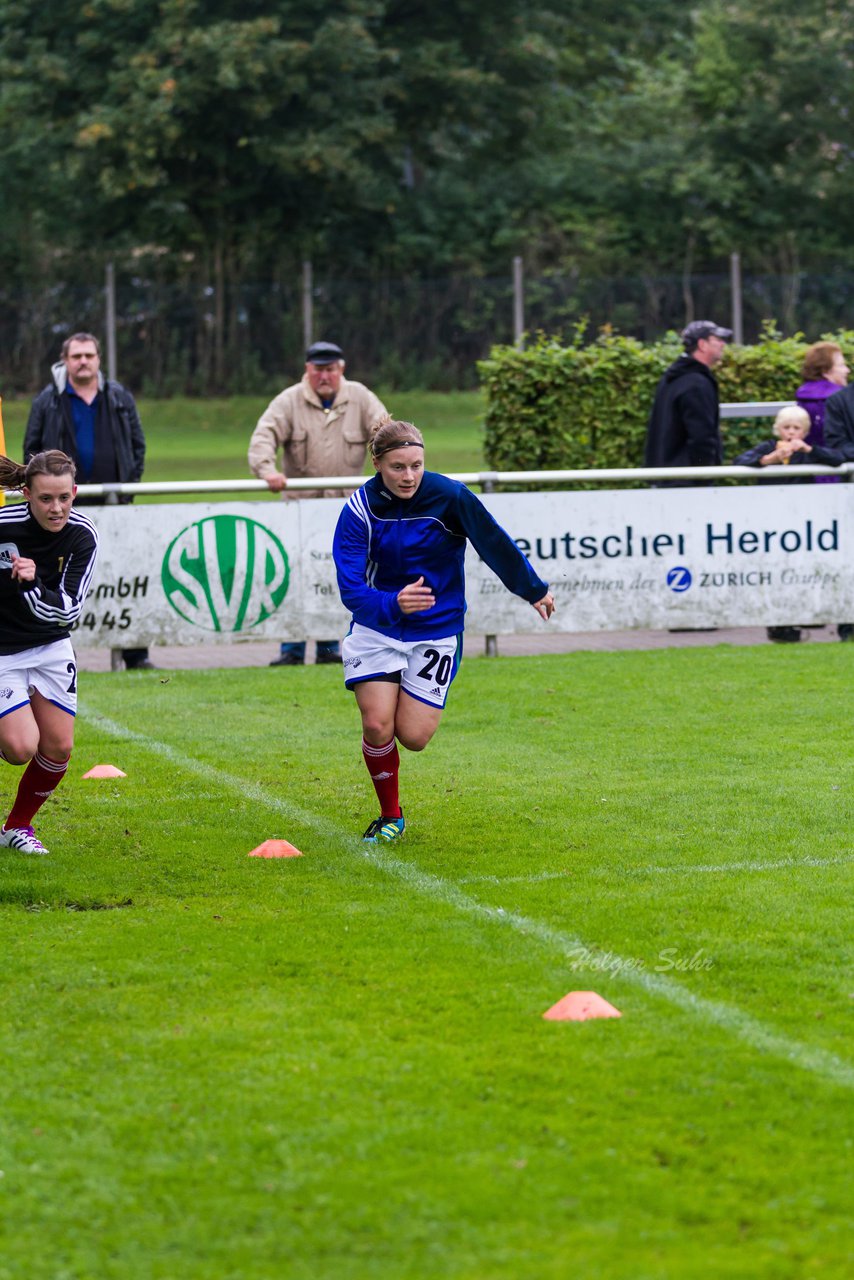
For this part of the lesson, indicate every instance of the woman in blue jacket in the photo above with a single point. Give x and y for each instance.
(399, 552)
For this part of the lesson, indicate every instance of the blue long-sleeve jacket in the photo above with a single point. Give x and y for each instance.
(383, 542)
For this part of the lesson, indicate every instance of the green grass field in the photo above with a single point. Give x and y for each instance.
(207, 439)
(335, 1067)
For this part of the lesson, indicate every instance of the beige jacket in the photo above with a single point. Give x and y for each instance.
(315, 441)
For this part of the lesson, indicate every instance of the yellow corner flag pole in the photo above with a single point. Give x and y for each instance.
(2, 447)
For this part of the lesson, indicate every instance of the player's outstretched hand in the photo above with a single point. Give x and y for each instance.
(415, 597)
(545, 607)
(22, 569)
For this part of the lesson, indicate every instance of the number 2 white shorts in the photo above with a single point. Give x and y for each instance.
(426, 667)
(51, 669)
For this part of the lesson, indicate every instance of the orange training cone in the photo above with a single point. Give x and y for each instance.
(104, 771)
(578, 1006)
(275, 849)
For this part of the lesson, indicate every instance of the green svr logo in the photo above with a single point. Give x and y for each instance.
(225, 573)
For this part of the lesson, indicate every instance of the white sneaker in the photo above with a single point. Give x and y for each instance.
(24, 839)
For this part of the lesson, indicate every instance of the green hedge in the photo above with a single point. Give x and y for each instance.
(554, 407)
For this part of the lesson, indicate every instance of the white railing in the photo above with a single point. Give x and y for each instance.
(488, 480)
(755, 408)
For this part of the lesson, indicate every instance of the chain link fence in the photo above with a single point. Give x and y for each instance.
(178, 336)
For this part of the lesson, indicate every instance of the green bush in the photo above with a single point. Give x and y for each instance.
(554, 407)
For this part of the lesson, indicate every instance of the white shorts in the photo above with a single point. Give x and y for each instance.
(51, 669)
(425, 667)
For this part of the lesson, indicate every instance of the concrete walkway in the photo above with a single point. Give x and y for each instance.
(259, 653)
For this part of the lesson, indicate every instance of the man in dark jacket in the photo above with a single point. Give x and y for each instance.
(94, 421)
(839, 422)
(839, 435)
(683, 429)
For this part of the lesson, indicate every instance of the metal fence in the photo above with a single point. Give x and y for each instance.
(174, 335)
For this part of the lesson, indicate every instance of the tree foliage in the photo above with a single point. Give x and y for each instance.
(430, 137)
(222, 141)
(355, 130)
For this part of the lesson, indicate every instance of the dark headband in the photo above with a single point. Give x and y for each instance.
(397, 444)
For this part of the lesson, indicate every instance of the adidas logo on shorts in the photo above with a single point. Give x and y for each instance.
(436, 693)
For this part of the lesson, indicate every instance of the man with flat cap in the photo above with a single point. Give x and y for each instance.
(322, 425)
(683, 428)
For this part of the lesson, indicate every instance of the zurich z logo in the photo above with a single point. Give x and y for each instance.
(679, 579)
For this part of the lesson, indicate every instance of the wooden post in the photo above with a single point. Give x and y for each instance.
(735, 290)
(518, 304)
(110, 296)
(307, 305)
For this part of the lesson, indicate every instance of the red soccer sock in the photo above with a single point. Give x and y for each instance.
(40, 780)
(384, 767)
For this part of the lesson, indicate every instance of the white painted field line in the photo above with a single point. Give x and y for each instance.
(730, 1019)
(611, 873)
(724, 867)
(535, 878)
(209, 772)
(727, 1017)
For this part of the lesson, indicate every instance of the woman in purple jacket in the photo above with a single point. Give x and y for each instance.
(824, 372)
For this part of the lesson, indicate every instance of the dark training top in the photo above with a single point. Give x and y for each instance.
(39, 612)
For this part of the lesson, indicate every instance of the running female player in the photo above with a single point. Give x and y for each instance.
(47, 557)
(399, 551)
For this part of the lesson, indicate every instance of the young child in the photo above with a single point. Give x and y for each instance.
(791, 427)
(789, 447)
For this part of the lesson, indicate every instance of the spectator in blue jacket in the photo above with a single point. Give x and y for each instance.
(95, 421)
(399, 551)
